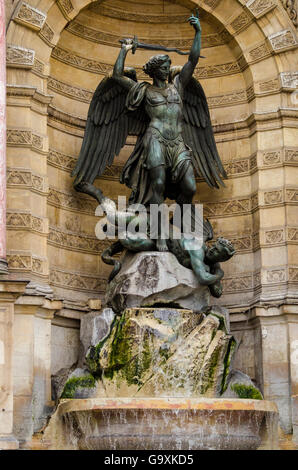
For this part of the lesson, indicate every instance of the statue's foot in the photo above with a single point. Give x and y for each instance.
(161, 245)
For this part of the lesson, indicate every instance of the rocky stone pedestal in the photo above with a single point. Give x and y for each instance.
(158, 352)
(155, 279)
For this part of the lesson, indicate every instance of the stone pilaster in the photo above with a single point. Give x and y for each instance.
(9, 291)
(3, 263)
(32, 363)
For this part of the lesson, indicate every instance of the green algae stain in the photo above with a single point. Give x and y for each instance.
(247, 391)
(87, 381)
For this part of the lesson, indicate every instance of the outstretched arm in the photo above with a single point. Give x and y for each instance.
(193, 58)
(118, 72)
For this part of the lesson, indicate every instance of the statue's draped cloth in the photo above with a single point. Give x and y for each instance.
(176, 156)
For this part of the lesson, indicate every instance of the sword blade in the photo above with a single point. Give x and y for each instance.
(158, 47)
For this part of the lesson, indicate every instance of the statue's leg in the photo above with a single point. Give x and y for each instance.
(187, 189)
(158, 182)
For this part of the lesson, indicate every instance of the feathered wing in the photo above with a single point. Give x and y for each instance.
(108, 125)
(198, 135)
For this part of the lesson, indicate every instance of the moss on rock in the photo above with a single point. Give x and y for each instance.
(247, 391)
(71, 386)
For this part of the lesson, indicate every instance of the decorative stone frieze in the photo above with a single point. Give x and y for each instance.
(24, 138)
(17, 56)
(66, 7)
(47, 34)
(25, 178)
(227, 208)
(71, 201)
(289, 80)
(79, 94)
(107, 10)
(240, 23)
(274, 237)
(25, 221)
(276, 275)
(273, 197)
(272, 157)
(103, 37)
(260, 7)
(26, 262)
(94, 66)
(291, 156)
(283, 40)
(258, 52)
(76, 241)
(29, 16)
(292, 234)
(77, 281)
(61, 160)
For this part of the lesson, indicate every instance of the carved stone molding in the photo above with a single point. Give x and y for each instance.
(47, 34)
(291, 156)
(212, 4)
(292, 234)
(81, 94)
(227, 208)
(103, 37)
(76, 241)
(17, 56)
(25, 221)
(29, 16)
(240, 23)
(291, 195)
(107, 10)
(293, 274)
(63, 88)
(23, 177)
(258, 52)
(272, 157)
(24, 138)
(291, 7)
(289, 80)
(71, 201)
(283, 40)
(38, 67)
(273, 197)
(66, 7)
(274, 276)
(238, 96)
(241, 283)
(26, 262)
(268, 86)
(274, 237)
(61, 160)
(28, 92)
(260, 7)
(70, 58)
(77, 281)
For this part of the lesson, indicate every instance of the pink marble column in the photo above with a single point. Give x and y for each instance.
(3, 263)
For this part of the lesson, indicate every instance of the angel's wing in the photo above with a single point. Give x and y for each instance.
(198, 134)
(108, 125)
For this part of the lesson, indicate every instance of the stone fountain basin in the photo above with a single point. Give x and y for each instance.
(166, 423)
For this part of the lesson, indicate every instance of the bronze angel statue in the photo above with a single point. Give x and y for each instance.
(169, 117)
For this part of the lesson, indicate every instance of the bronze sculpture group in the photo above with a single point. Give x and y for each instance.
(171, 120)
